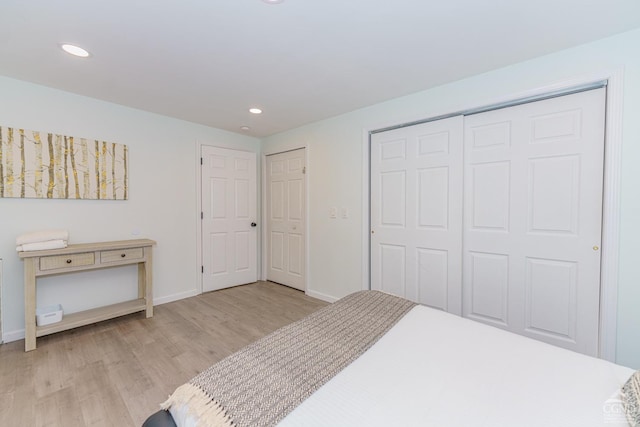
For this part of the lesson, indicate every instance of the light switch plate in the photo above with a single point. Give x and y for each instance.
(333, 212)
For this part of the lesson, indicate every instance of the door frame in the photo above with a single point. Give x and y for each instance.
(199, 261)
(263, 221)
(614, 80)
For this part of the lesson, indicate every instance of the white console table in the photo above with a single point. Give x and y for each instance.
(83, 257)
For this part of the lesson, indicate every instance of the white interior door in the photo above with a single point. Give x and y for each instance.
(286, 218)
(416, 213)
(229, 237)
(533, 216)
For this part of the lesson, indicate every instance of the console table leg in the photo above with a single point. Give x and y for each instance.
(145, 288)
(142, 281)
(29, 305)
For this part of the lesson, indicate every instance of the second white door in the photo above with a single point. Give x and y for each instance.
(286, 218)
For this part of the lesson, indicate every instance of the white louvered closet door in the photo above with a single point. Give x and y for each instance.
(416, 213)
(533, 217)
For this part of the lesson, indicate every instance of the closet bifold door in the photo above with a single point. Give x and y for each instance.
(532, 218)
(416, 213)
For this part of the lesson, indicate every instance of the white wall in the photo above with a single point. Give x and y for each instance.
(336, 166)
(161, 206)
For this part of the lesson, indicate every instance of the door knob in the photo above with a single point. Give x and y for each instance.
(253, 224)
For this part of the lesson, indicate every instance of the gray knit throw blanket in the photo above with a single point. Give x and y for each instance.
(262, 383)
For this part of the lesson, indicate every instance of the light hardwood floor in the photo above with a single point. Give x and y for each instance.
(115, 373)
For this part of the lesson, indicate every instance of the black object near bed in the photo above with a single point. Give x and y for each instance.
(161, 418)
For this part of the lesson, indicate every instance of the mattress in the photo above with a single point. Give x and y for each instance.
(437, 369)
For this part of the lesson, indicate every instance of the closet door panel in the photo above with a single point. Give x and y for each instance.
(416, 213)
(488, 281)
(533, 197)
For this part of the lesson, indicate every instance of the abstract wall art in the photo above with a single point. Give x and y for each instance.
(50, 166)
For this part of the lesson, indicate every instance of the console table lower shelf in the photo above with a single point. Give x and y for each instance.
(83, 257)
(87, 317)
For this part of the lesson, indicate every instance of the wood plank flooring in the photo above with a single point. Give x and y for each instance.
(116, 373)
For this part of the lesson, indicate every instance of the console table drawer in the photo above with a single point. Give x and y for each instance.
(66, 261)
(121, 255)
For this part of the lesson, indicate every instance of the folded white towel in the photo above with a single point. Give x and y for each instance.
(42, 236)
(41, 246)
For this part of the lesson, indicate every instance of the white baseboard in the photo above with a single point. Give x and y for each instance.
(13, 336)
(19, 334)
(175, 297)
(323, 297)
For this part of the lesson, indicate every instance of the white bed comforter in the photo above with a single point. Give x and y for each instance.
(437, 369)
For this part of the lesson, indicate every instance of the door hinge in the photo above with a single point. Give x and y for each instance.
(202, 269)
(201, 161)
(201, 215)
(304, 169)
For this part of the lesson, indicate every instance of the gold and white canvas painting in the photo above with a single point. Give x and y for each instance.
(49, 166)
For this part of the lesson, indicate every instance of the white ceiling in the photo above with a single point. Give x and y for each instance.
(300, 61)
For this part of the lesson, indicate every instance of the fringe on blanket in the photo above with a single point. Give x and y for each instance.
(208, 412)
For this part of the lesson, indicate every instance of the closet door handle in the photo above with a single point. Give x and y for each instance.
(253, 224)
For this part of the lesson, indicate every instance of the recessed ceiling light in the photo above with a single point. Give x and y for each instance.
(74, 50)
(255, 111)
(273, 1)
(245, 128)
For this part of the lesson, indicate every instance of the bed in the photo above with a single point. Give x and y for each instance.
(377, 360)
